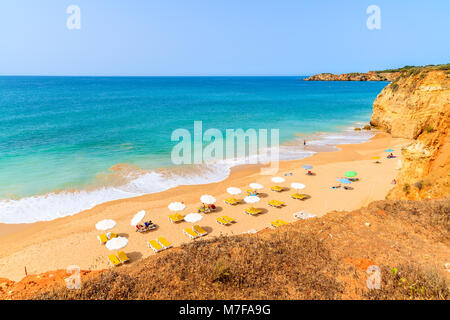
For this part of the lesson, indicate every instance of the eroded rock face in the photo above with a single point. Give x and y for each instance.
(417, 106)
(411, 104)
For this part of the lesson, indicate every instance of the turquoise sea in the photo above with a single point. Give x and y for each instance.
(69, 143)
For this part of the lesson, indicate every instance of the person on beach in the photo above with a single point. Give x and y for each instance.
(304, 143)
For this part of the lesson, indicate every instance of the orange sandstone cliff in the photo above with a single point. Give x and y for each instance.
(417, 106)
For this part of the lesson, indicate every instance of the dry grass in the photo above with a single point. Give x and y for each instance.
(323, 258)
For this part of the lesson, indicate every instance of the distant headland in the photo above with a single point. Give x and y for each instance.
(383, 75)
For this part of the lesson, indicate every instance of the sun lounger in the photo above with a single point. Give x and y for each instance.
(228, 219)
(276, 203)
(122, 256)
(277, 188)
(174, 218)
(111, 235)
(253, 211)
(223, 222)
(299, 196)
(199, 230)
(232, 201)
(155, 245)
(102, 238)
(113, 260)
(166, 244)
(278, 223)
(191, 233)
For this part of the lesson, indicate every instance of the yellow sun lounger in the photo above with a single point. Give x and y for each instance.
(166, 244)
(278, 223)
(231, 201)
(223, 222)
(102, 238)
(155, 245)
(113, 260)
(199, 230)
(122, 256)
(276, 203)
(299, 196)
(252, 211)
(191, 233)
(277, 188)
(175, 218)
(228, 219)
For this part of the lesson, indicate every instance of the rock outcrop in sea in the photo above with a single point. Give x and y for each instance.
(356, 76)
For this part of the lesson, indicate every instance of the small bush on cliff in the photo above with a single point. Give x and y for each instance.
(429, 129)
(406, 188)
(409, 282)
(419, 184)
(394, 86)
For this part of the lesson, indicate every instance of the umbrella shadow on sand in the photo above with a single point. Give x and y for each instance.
(125, 235)
(218, 209)
(208, 229)
(262, 195)
(134, 256)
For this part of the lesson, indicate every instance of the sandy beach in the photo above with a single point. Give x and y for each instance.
(56, 244)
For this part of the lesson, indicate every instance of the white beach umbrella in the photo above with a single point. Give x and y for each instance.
(137, 218)
(252, 199)
(116, 243)
(234, 191)
(278, 179)
(193, 217)
(256, 186)
(105, 224)
(208, 199)
(176, 206)
(302, 214)
(297, 185)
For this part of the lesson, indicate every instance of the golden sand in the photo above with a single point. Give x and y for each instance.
(72, 240)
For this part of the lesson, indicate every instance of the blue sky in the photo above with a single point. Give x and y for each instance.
(226, 37)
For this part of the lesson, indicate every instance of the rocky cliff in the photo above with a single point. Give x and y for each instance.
(417, 106)
(369, 76)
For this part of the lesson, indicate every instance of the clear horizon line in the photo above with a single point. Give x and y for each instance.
(143, 76)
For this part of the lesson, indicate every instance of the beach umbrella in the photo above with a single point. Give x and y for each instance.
(234, 191)
(307, 167)
(297, 185)
(345, 181)
(278, 179)
(302, 214)
(116, 243)
(176, 206)
(105, 224)
(137, 218)
(375, 158)
(389, 150)
(208, 199)
(350, 174)
(252, 199)
(193, 217)
(255, 186)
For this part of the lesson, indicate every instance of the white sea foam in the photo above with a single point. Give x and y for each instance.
(56, 205)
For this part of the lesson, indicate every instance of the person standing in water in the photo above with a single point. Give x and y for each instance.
(304, 143)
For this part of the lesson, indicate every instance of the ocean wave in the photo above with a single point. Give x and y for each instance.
(56, 205)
